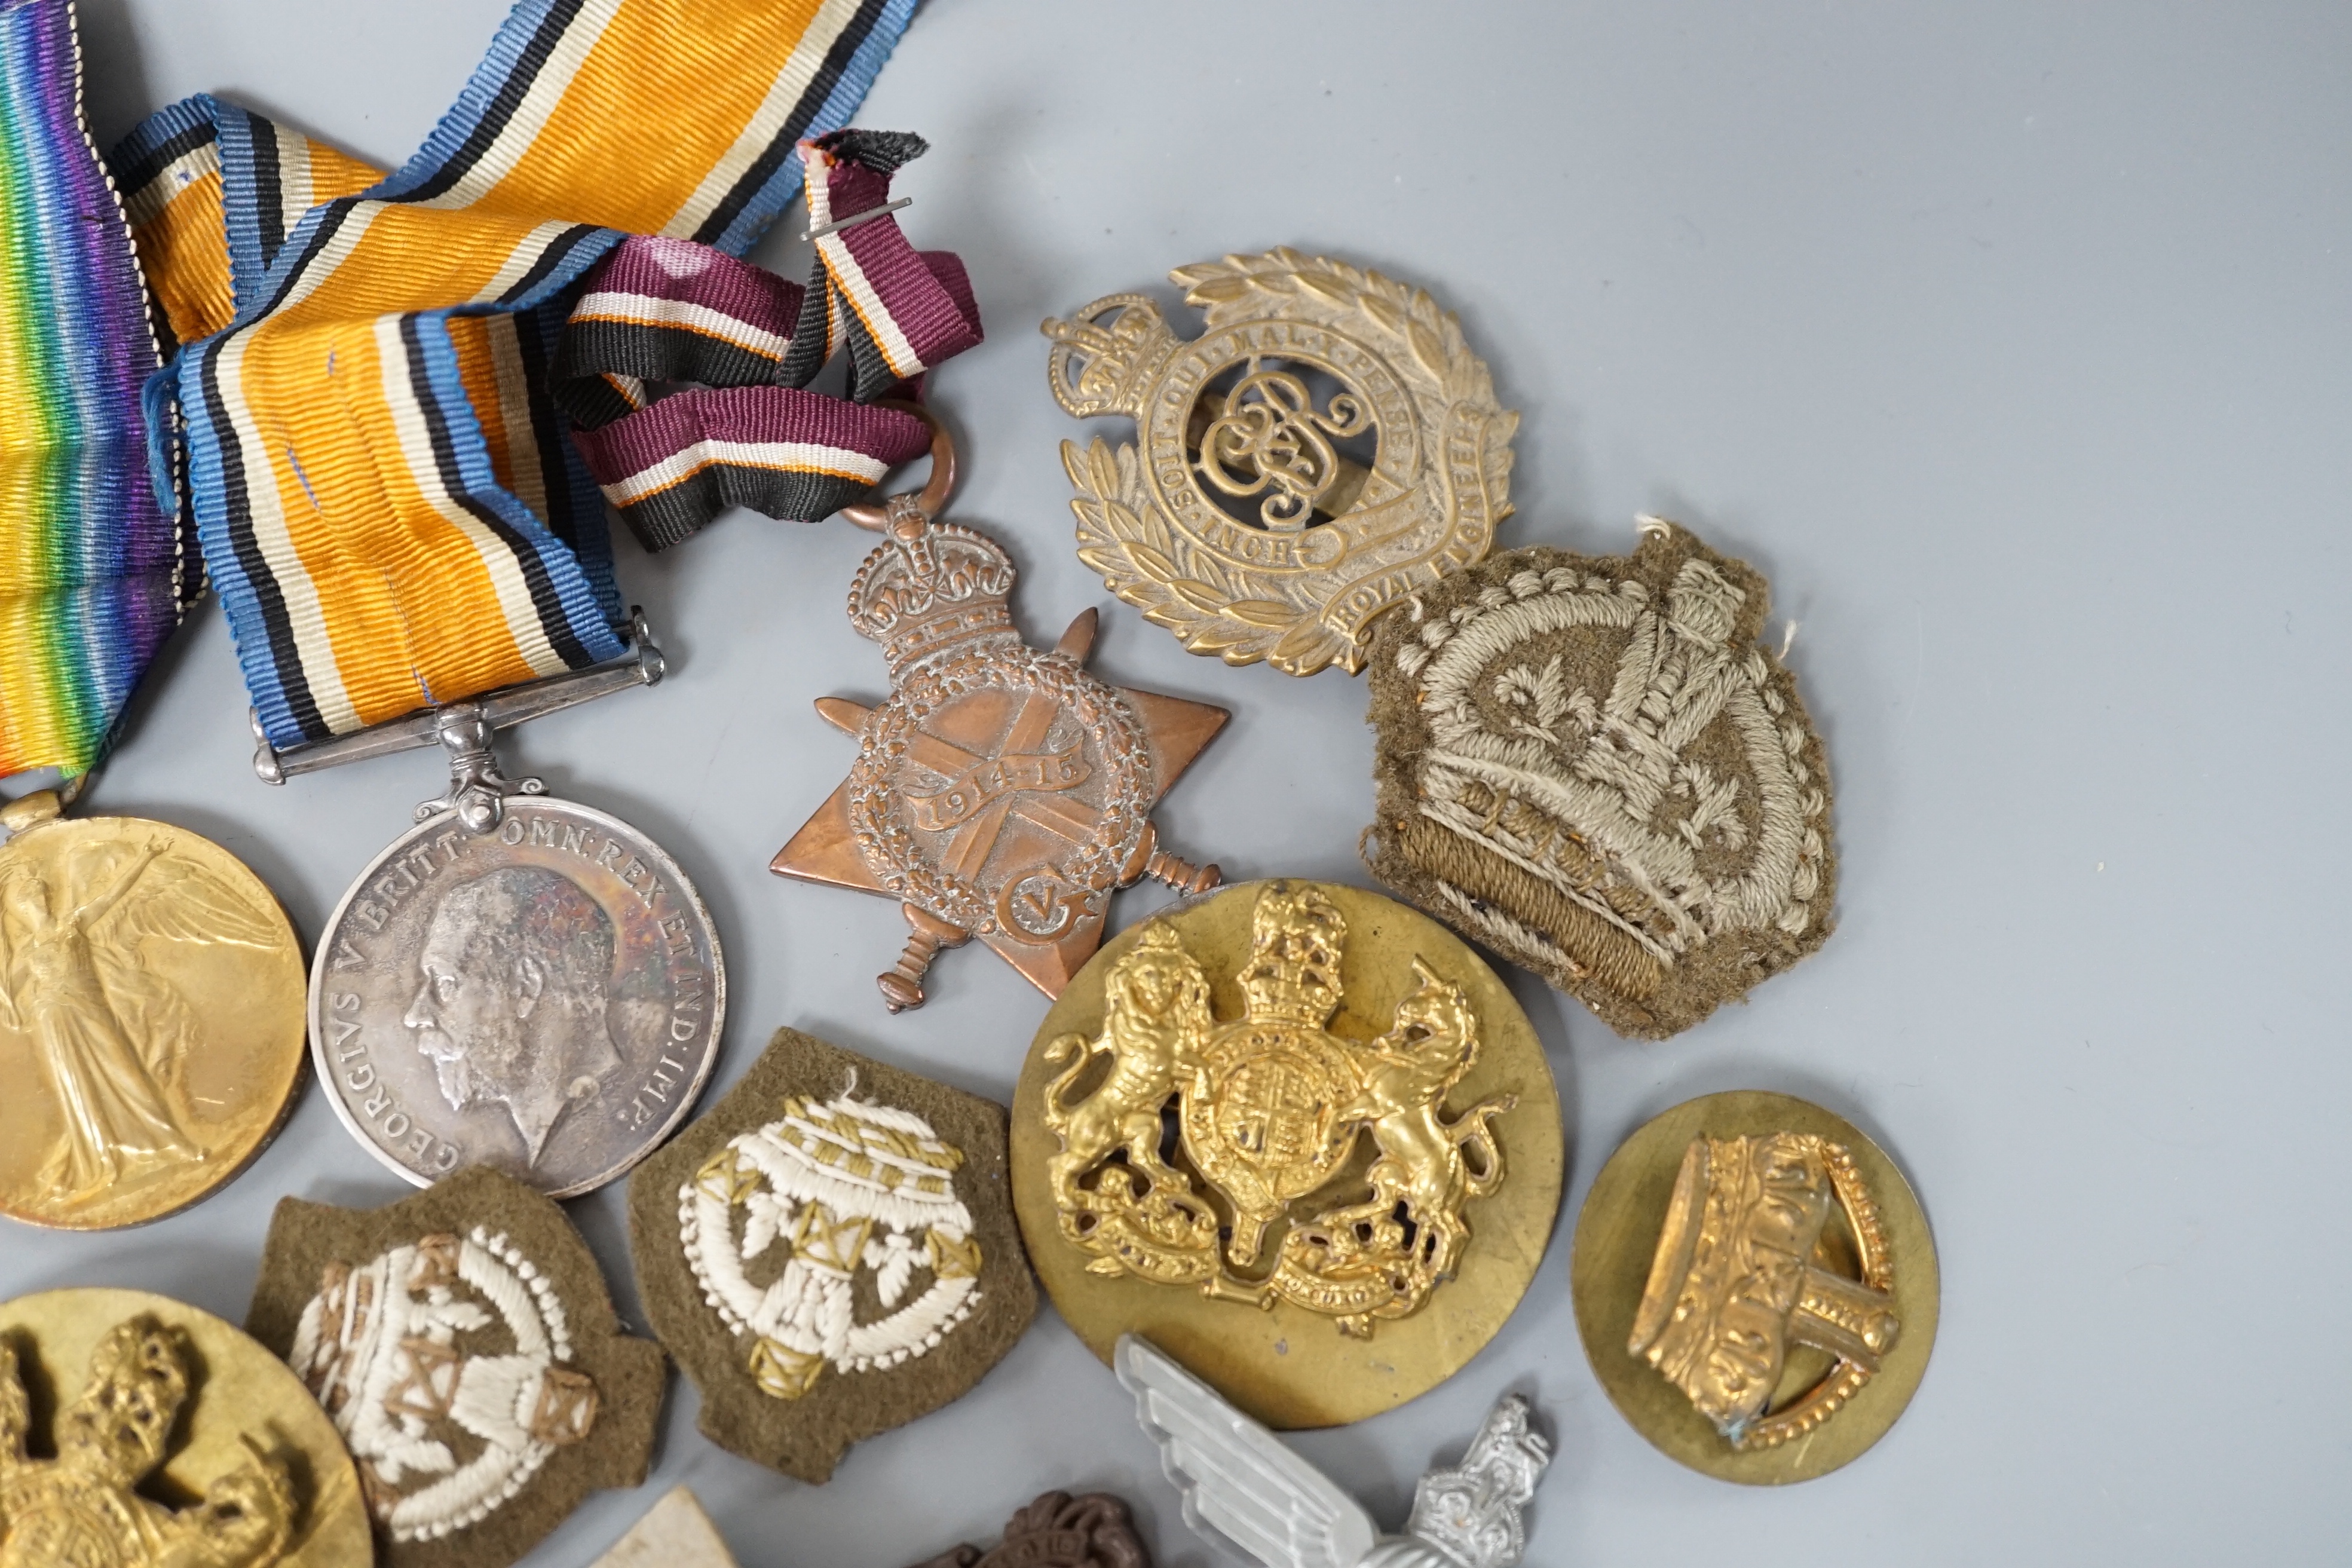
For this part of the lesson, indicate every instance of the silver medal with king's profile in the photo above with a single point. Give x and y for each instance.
(517, 980)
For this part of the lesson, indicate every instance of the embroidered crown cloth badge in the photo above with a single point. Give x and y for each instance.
(1590, 765)
(465, 1347)
(830, 1253)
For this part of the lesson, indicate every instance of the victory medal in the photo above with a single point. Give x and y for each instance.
(150, 986)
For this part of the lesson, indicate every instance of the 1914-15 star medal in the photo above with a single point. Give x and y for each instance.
(1000, 793)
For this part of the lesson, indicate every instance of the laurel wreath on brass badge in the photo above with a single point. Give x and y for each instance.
(1428, 507)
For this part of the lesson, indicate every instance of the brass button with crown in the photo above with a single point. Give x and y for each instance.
(1756, 1286)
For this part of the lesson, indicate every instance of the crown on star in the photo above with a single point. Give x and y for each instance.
(930, 586)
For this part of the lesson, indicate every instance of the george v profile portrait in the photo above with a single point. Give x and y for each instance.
(511, 1007)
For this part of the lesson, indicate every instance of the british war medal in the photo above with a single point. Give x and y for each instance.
(411, 553)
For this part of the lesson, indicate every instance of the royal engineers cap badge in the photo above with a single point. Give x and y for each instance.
(1329, 445)
(1756, 1286)
(1300, 1137)
(1590, 765)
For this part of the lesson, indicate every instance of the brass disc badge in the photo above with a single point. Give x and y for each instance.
(1299, 1135)
(151, 989)
(1756, 1286)
(1000, 791)
(141, 1384)
(1239, 519)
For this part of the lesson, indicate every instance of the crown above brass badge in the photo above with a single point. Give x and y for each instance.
(151, 1394)
(1000, 791)
(1756, 1286)
(1329, 446)
(1296, 1131)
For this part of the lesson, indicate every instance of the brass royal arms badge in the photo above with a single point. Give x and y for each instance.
(1328, 448)
(1269, 1109)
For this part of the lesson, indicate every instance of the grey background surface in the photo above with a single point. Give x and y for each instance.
(2010, 338)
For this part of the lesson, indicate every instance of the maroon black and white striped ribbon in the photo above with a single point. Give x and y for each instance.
(741, 345)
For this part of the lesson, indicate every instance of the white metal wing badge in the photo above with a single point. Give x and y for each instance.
(1247, 1491)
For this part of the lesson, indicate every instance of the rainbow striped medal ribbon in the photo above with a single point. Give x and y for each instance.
(412, 553)
(151, 989)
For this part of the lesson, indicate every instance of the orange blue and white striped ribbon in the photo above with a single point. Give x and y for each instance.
(381, 491)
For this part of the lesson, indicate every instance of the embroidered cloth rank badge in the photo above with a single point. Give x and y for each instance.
(1590, 765)
(830, 1253)
(465, 1345)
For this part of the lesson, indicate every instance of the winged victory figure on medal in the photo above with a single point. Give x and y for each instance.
(113, 1032)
